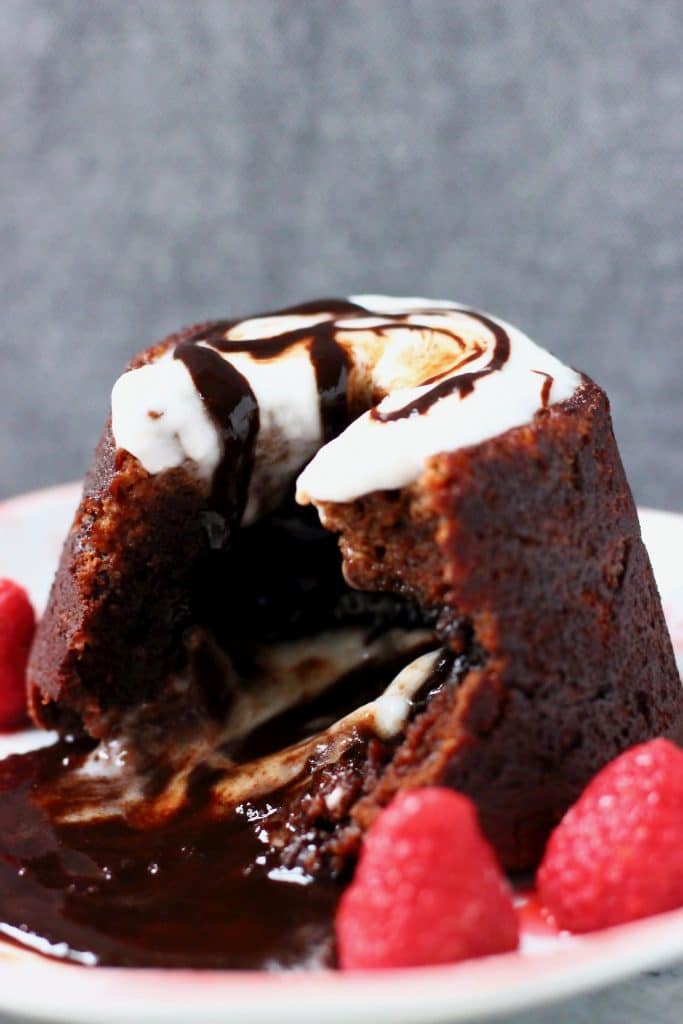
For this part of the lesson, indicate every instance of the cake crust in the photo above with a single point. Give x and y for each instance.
(533, 539)
(113, 624)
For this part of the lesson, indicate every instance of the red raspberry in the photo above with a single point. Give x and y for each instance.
(427, 889)
(617, 854)
(17, 625)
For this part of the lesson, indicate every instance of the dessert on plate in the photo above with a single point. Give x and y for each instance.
(323, 556)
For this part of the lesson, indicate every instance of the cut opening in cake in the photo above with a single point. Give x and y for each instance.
(285, 679)
(274, 604)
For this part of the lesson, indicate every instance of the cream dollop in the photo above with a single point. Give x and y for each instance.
(158, 416)
(396, 353)
(372, 454)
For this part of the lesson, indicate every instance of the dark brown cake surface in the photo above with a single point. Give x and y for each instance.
(533, 538)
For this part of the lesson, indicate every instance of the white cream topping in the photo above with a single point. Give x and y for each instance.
(372, 455)
(158, 415)
(272, 326)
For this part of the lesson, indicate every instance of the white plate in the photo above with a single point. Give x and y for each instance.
(547, 968)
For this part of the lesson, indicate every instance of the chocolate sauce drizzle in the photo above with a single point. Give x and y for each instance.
(462, 383)
(329, 358)
(232, 404)
(233, 407)
(331, 365)
(546, 387)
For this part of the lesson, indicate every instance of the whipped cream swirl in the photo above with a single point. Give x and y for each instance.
(360, 392)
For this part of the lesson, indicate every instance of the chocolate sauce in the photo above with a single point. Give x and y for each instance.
(546, 387)
(353, 689)
(329, 358)
(331, 365)
(203, 888)
(449, 665)
(191, 893)
(233, 407)
(462, 383)
(330, 362)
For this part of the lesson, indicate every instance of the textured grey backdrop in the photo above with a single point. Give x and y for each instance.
(163, 162)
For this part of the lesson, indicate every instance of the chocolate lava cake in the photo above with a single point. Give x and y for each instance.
(351, 547)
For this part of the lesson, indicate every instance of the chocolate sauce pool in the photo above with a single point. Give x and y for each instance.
(190, 893)
(199, 890)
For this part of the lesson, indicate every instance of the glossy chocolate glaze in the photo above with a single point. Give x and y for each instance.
(206, 887)
(189, 893)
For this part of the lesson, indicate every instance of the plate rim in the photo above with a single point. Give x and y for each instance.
(410, 996)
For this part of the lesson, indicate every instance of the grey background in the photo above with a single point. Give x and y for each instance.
(163, 162)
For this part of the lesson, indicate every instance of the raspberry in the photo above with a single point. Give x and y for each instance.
(617, 854)
(17, 625)
(427, 888)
